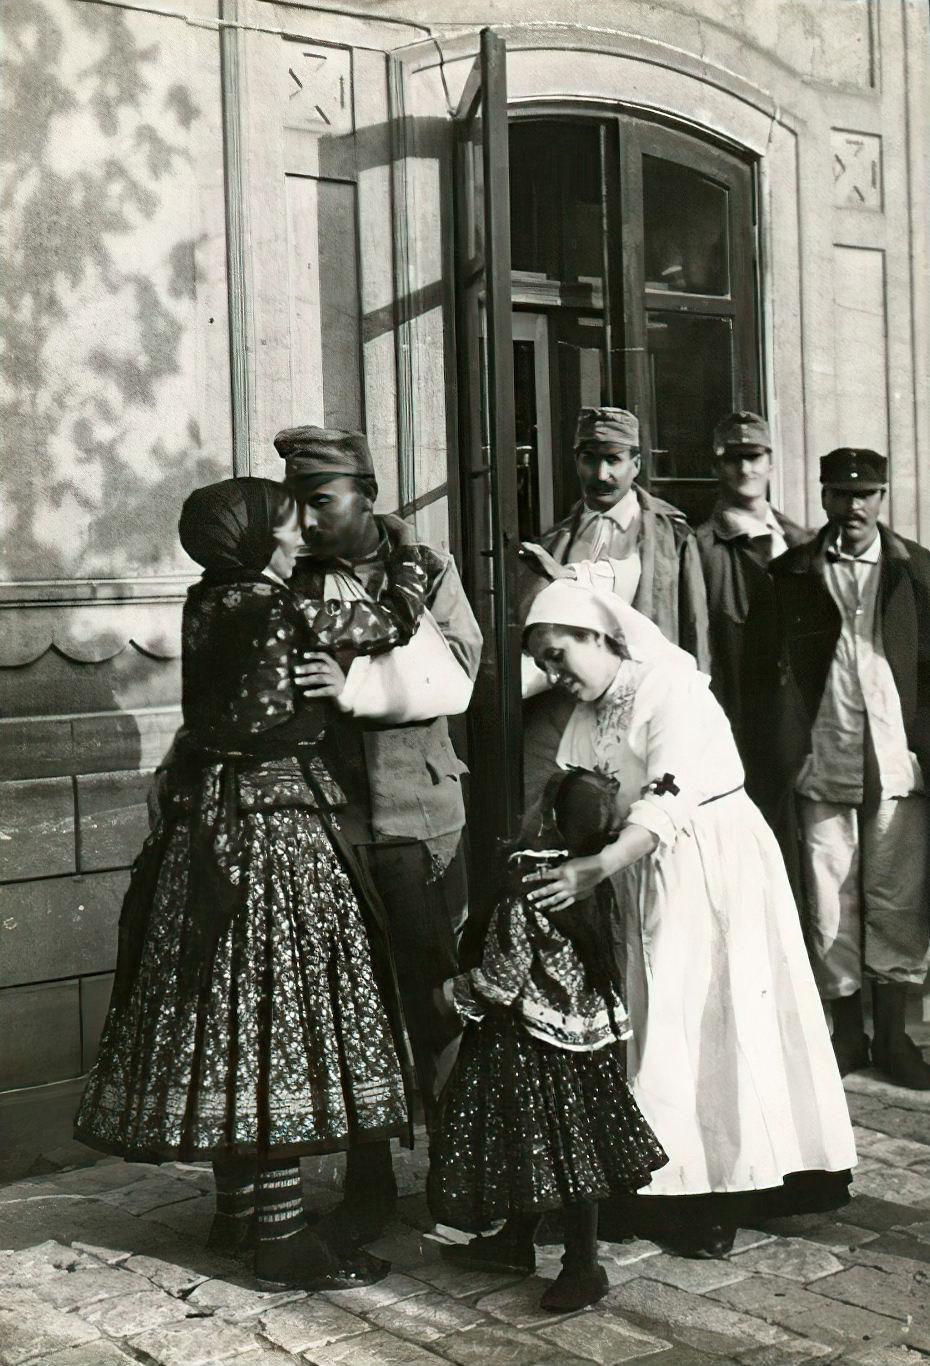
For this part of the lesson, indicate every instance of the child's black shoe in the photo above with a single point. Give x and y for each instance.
(574, 1290)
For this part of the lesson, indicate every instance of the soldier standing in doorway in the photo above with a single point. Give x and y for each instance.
(737, 544)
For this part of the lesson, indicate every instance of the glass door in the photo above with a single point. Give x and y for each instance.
(488, 462)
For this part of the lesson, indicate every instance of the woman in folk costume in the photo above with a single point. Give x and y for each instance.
(730, 1059)
(254, 1015)
(537, 1114)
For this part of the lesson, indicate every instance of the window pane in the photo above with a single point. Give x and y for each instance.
(691, 362)
(555, 201)
(685, 229)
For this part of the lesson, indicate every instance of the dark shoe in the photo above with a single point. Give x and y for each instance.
(352, 1223)
(903, 1064)
(304, 1262)
(894, 1053)
(506, 1252)
(232, 1237)
(574, 1290)
(850, 1041)
(715, 1241)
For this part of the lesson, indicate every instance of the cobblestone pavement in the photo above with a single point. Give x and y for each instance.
(106, 1264)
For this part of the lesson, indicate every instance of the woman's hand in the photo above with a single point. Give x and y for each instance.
(545, 563)
(319, 676)
(570, 882)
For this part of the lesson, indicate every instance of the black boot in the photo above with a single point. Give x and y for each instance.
(893, 1052)
(369, 1198)
(512, 1249)
(582, 1280)
(850, 1041)
(234, 1228)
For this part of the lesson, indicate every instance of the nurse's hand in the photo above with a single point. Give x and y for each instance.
(563, 886)
(319, 676)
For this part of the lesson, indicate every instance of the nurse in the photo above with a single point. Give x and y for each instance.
(730, 1061)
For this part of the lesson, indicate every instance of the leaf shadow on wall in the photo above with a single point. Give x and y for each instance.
(92, 341)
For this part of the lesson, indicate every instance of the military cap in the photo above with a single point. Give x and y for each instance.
(314, 451)
(608, 427)
(852, 467)
(742, 432)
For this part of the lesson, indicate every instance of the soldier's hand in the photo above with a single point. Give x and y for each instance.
(319, 676)
(544, 562)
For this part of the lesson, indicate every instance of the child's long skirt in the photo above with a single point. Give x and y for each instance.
(526, 1127)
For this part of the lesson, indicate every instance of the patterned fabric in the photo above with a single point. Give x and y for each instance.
(286, 1044)
(528, 965)
(525, 1127)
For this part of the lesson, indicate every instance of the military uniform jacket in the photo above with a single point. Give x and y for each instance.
(737, 582)
(403, 782)
(797, 659)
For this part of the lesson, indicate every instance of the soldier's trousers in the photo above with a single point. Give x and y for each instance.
(866, 881)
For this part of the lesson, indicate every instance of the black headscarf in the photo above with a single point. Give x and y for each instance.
(229, 527)
(577, 814)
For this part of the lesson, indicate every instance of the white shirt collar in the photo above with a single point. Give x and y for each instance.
(622, 512)
(870, 556)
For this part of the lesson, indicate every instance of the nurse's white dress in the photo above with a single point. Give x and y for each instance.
(731, 1061)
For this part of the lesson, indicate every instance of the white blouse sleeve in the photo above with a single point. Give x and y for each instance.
(685, 743)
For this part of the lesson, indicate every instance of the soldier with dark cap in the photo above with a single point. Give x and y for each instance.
(389, 748)
(738, 543)
(620, 539)
(850, 748)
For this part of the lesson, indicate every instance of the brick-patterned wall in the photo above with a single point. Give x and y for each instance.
(67, 840)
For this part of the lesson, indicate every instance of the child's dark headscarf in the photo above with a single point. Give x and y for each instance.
(229, 527)
(578, 813)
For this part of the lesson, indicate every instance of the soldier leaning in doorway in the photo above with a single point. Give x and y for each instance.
(737, 544)
(623, 540)
(847, 750)
(405, 812)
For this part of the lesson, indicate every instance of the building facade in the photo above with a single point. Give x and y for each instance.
(224, 217)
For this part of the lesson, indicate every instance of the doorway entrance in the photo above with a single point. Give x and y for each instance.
(601, 259)
(635, 243)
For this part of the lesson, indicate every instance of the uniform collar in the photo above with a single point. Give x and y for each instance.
(622, 512)
(870, 556)
(730, 522)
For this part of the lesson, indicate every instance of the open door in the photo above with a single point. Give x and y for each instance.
(487, 445)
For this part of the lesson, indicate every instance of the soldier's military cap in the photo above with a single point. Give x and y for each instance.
(607, 427)
(323, 452)
(854, 467)
(738, 432)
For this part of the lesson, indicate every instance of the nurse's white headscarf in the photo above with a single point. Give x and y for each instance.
(567, 603)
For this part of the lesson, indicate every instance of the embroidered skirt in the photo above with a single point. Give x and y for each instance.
(527, 1127)
(285, 1046)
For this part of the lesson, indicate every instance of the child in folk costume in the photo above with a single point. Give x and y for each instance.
(537, 1115)
(255, 1014)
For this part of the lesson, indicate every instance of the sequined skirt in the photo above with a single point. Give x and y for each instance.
(527, 1127)
(286, 1046)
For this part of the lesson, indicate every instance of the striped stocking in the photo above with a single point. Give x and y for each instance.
(279, 1202)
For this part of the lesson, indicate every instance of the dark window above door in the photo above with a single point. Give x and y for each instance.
(634, 244)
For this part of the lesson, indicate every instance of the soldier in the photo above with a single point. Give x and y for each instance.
(621, 539)
(851, 745)
(737, 543)
(405, 812)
